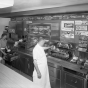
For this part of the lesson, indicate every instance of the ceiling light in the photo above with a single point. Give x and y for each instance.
(6, 3)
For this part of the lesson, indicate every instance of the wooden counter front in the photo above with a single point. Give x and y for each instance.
(59, 70)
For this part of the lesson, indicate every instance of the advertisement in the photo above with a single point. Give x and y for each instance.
(78, 22)
(80, 27)
(81, 33)
(67, 34)
(67, 26)
(81, 22)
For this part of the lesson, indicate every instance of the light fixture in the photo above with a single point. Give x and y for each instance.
(6, 3)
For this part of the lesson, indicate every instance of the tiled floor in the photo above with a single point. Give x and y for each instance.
(28, 77)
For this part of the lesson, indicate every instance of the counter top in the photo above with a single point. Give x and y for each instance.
(66, 64)
(24, 52)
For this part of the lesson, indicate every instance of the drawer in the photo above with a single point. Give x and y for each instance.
(74, 81)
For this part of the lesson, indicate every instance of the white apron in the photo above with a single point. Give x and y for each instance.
(39, 55)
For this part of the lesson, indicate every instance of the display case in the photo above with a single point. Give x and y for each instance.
(36, 31)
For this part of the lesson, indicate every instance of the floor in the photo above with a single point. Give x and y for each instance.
(28, 77)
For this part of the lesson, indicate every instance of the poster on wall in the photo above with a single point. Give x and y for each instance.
(81, 27)
(85, 33)
(67, 35)
(67, 26)
(67, 31)
(81, 22)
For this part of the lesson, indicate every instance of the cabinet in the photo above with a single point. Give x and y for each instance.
(72, 80)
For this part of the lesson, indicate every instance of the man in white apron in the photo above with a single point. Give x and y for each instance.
(40, 74)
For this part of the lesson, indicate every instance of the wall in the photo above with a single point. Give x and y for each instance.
(3, 22)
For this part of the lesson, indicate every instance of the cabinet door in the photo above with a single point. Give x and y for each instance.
(57, 83)
(54, 77)
(52, 82)
(23, 64)
(30, 66)
(26, 65)
(16, 63)
(54, 72)
(51, 71)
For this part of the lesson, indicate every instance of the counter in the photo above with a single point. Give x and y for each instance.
(57, 61)
(61, 72)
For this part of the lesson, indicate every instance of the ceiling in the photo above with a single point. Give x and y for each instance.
(22, 5)
(33, 5)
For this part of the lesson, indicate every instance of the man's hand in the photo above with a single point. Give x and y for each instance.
(37, 69)
(21, 40)
(39, 75)
(16, 43)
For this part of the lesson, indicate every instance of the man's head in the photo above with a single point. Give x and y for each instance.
(4, 36)
(42, 41)
(6, 28)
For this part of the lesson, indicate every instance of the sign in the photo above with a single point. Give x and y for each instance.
(78, 22)
(81, 33)
(81, 22)
(80, 27)
(67, 25)
(67, 34)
